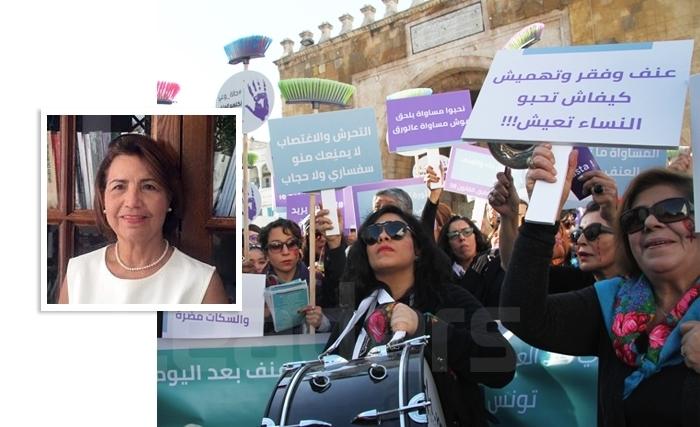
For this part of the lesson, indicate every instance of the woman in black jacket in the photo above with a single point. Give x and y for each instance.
(395, 261)
(637, 325)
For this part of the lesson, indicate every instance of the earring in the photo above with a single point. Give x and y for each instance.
(104, 211)
(170, 209)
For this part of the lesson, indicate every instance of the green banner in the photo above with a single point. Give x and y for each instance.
(227, 382)
(224, 382)
(548, 389)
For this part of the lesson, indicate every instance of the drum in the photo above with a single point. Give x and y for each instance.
(394, 389)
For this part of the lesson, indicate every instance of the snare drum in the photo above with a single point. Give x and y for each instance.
(367, 391)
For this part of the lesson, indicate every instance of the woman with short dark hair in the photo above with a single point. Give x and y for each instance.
(138, 205)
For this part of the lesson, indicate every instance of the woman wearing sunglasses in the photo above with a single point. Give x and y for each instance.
(281, 242)
(593, 241)
(395, 262)
(474, 267)
(633, 324)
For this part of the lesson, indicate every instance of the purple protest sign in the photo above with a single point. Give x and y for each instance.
(427, 121)
(472, 171)
(297, 205)
(586, 163)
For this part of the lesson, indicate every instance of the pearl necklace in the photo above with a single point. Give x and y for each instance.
(145, 267)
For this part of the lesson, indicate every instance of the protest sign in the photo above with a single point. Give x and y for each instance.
(624, 163)
(599, 94)
(322, 151)
(253, 93)
(471, 171)
(363, 195)
(229, 324)
(427, 121)
(695, 133)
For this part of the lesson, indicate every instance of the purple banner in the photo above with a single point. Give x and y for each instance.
(297, 205)
(427, 121)
(472, 171)
(586, 163)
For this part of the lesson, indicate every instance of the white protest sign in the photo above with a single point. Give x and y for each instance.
(620, 94)
(695, 133)
(248, 322)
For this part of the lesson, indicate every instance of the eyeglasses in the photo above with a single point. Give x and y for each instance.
(465, 232)
(396, 230)
(665, 211)
(591, 232)
(276, 246)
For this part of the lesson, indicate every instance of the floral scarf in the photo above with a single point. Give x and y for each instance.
(632, 308)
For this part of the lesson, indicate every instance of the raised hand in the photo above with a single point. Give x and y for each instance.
(432, 177)
(690, 344)
(604, 191)
(503, 197)
(541, 168)
(258, 91)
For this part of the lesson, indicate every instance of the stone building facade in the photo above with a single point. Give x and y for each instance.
(422, 47)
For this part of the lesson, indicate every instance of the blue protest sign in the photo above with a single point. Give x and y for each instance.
(363, 195)
(322, 151)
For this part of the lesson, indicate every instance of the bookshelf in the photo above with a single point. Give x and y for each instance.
(197, 140)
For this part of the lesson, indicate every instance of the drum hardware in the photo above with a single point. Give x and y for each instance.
(377, 372)
(319, 383)
(372, 415)
(422, 340)
(292, 386)
(290, 366)
(398, 336)
(331, 359)
(266, 422)
(417, 416)
(377, 351)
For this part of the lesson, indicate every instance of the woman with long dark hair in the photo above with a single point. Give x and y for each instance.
(395, 262)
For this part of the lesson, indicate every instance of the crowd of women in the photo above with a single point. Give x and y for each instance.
(632, 299)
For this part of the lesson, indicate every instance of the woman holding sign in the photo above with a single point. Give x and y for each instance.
(281, 241)
(398, 270)
(633, 324)
(593, 240)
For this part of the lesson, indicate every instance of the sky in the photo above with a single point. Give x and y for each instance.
(104, 57)
(193, 35)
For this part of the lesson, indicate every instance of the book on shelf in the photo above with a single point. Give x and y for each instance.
(221, 161)
(84, 171)
(91, 149)
(51, 177)
(284, 302)
(225, 202)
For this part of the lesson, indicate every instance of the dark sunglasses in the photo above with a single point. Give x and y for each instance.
(465, 232)
(276, 246)
(396, 230)
(591, 232)
(665, 211)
